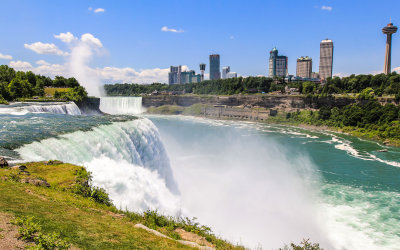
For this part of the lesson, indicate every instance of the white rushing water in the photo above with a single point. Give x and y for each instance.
(121, 105)
(68, 108)
(126, 158)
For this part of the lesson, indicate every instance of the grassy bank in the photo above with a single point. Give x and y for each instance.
(81, 214)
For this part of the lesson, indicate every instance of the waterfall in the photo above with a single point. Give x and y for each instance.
(121, 105)
(128, 159)
(69, 109)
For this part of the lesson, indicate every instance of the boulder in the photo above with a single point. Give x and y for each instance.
(19, 167)
(3, 162)
(36, 182)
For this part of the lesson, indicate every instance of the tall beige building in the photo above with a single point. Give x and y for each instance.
(304, 67)
(326, 59)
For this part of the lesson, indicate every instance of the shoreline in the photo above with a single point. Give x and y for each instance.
(349, 131)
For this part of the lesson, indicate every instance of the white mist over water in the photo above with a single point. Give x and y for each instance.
(246, 188)
(121, 105)
(82, 52)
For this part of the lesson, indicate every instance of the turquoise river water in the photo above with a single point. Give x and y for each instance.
(255, 184)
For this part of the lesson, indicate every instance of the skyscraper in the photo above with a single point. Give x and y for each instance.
(388, 31)
(326, 59)
(215, 73)
(225, 71)
(174, 75)
(278, 65)
(304, 67)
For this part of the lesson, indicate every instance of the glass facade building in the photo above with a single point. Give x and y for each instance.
(215, 72)
(278, 65)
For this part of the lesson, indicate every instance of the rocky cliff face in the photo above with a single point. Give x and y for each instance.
(90, 106)
(281, 102)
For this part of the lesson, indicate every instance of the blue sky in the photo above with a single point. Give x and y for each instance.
(134, 46)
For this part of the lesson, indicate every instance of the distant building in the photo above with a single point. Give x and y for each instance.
(202, 69)
(278, 65)
(174, 75)
(314, 75)
(231, 75)
(304, 67)
(215, 73)
(225, 71)
(326, 59)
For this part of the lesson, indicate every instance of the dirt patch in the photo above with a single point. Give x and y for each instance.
(9, 234)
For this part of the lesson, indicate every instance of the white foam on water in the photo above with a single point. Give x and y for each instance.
(121, 105)
(68, 109)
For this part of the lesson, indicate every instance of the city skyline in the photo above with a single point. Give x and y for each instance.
(138, 41)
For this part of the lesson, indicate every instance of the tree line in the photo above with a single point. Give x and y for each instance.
(216, 87)
(381, 84)
(19, 84)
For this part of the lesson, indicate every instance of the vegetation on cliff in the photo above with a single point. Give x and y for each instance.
(19, 85)
(380, 84)
(56, 206)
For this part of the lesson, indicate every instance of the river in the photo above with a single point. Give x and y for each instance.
(255, 184)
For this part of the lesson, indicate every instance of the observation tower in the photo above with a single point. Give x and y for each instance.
(388, 31)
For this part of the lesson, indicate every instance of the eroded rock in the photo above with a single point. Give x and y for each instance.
(3, 162)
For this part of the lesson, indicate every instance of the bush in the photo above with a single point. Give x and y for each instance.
(30, 231)
(84, 188)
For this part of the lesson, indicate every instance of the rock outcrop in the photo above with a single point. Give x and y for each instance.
(3, 162)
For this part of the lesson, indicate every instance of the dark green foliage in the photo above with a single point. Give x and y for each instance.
(216, 87)
(31, 231)
(76, 94)
(304, 245)
(83, 187)
(14, 85)
(381, 120)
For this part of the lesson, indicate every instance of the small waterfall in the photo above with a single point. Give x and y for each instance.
(121, 105)
(69, 109)
(128, 159)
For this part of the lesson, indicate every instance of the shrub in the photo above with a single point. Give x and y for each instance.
(84, 188)
(30, 231)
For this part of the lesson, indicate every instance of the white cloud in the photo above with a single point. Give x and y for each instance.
(42, 62)
(66, 37)
(45, 49)
(91, 40)
(20, 65)
(325, 7)
(166, 29)
(232, 37)
(98, 10)
(6, 57)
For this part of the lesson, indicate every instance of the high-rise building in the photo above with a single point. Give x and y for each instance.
(304, 67)
(174, 75)
(278, 65)
(388, 31)
(326, 59)
(215, 73)
(225, 71)
(202, 69)
(177, 76)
